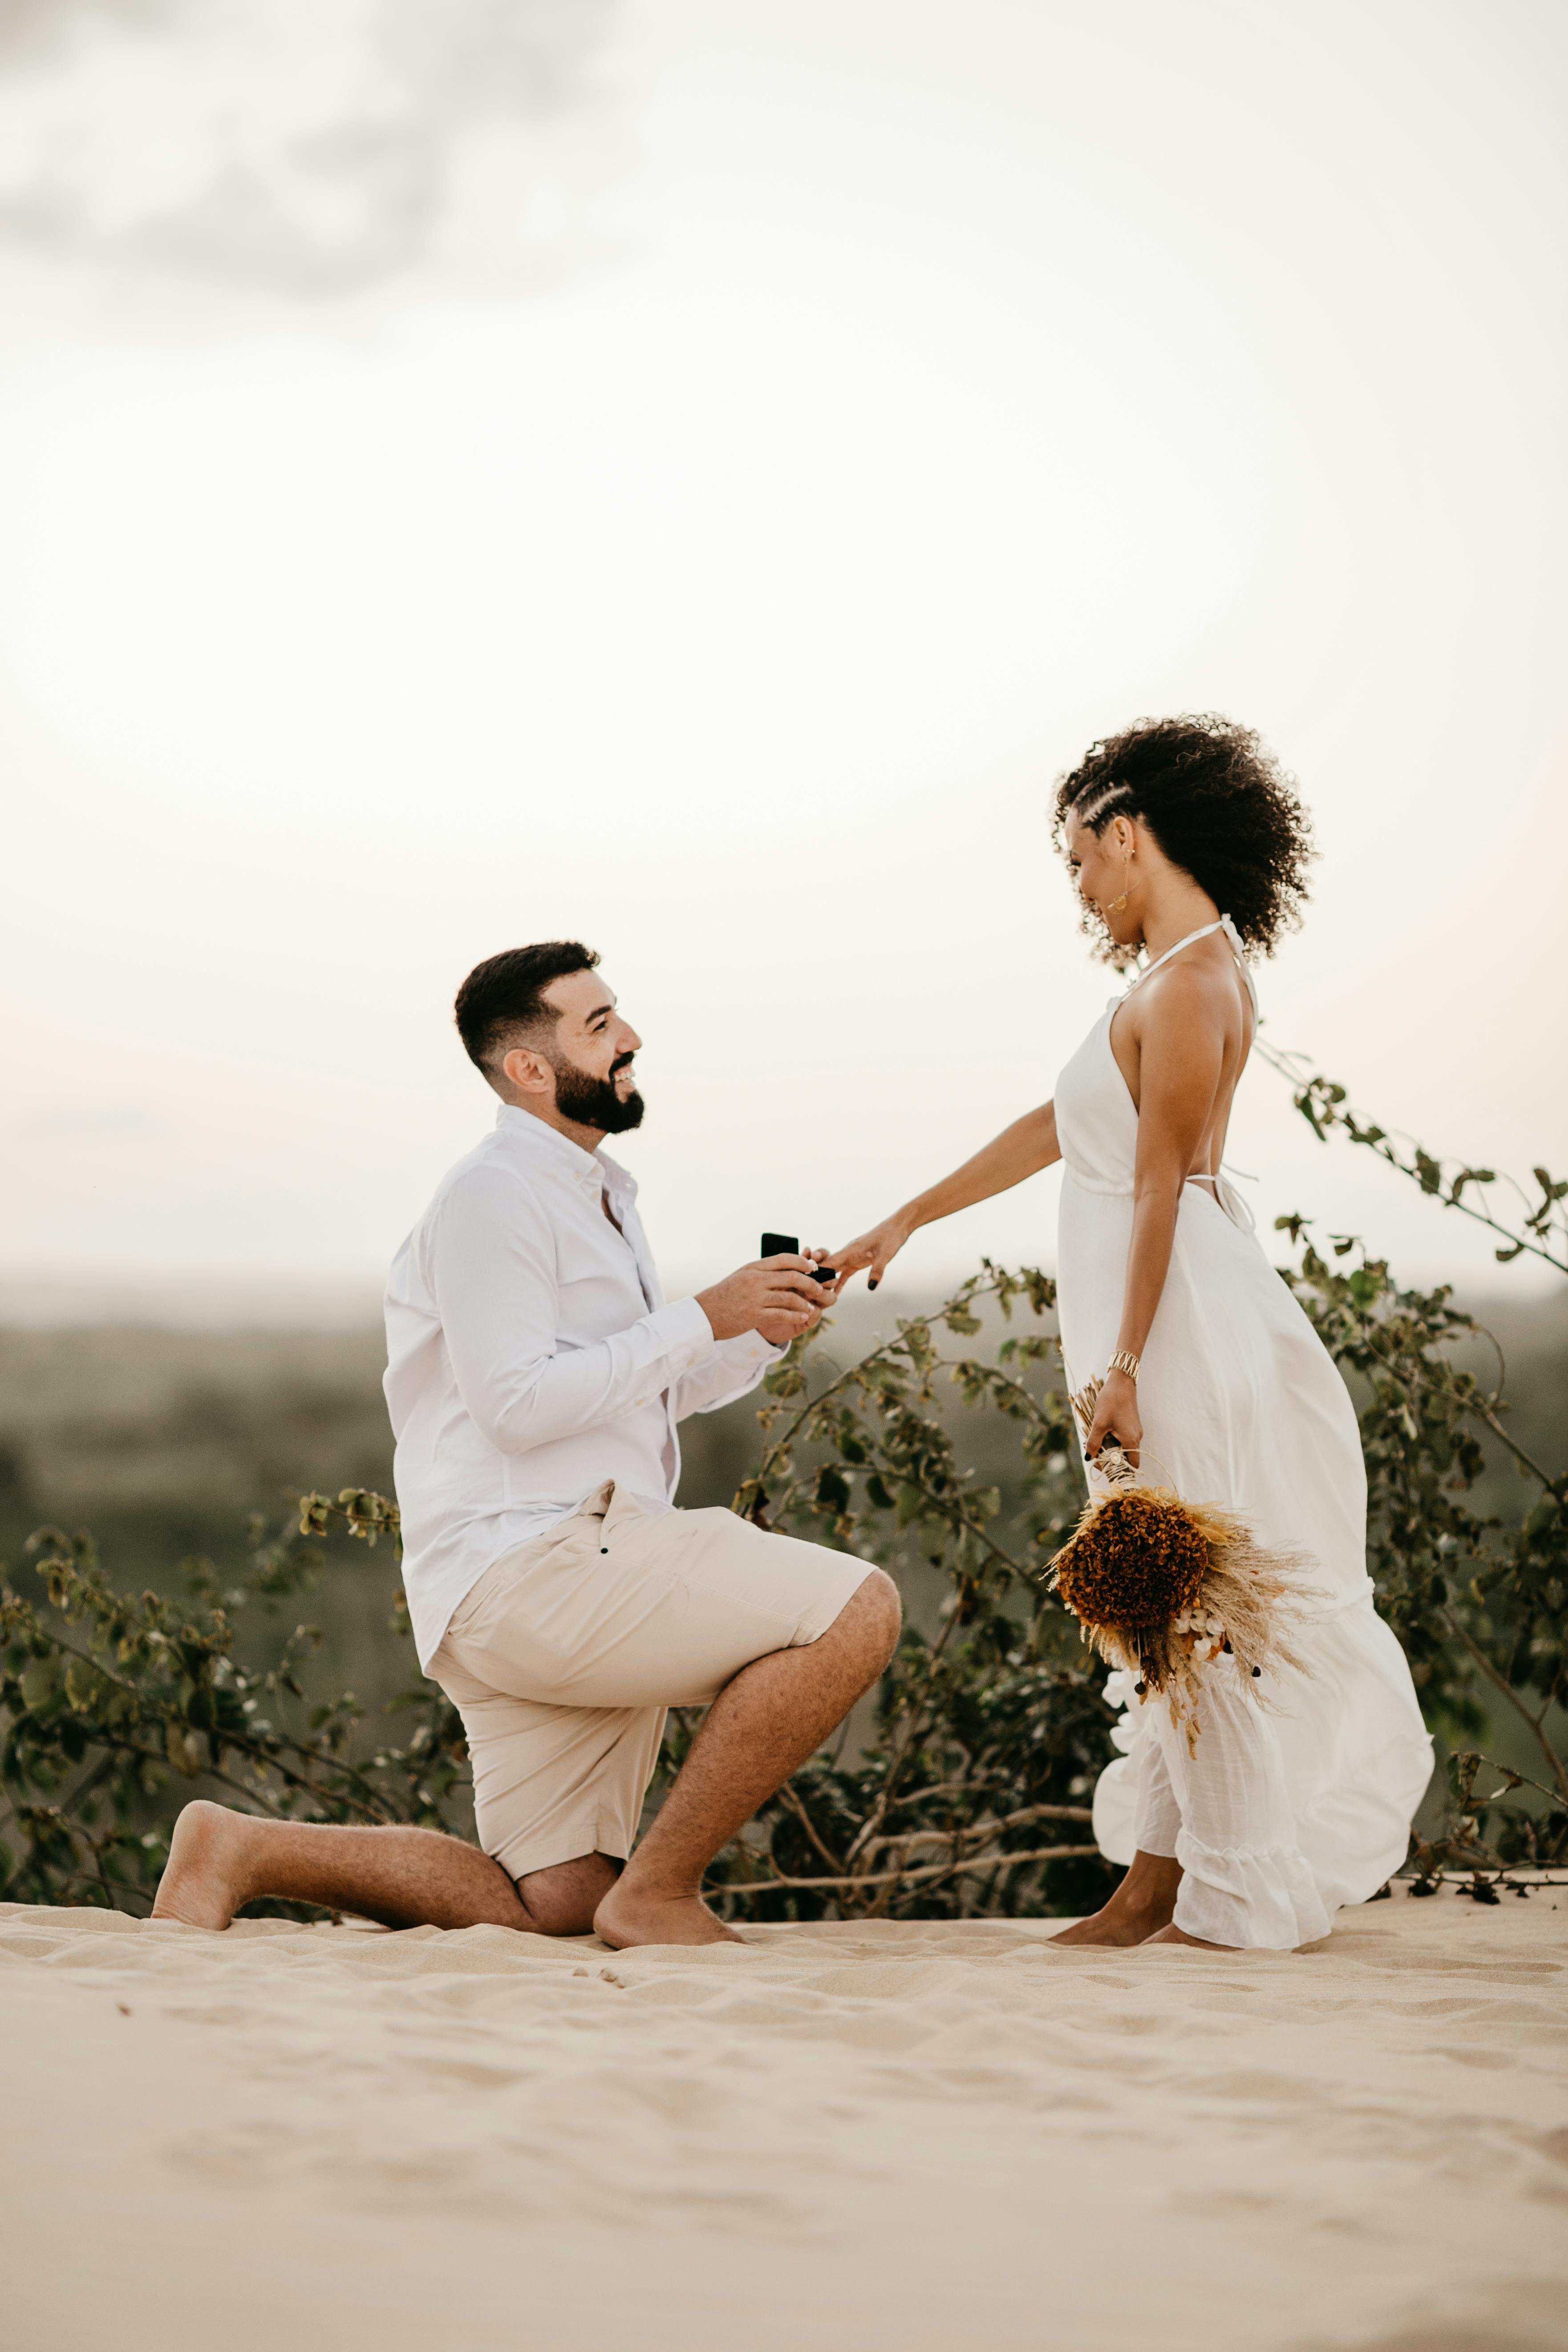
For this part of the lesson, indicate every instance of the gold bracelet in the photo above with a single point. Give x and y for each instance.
(1125, 1361)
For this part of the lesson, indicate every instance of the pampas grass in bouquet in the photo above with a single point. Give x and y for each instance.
(1161, 1586)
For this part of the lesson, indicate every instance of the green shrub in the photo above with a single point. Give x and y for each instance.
(968, 1790)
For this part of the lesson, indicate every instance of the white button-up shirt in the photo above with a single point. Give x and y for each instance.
(530, 1356)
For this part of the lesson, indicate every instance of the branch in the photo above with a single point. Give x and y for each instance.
(1515, 1781)
(980, 1829)
(368, 1802)
(879, 1811)
(782, 1445)
(925, 1876)
(1500, 1683)
(1293, 1067)
(887, 1348)
(1478, 1405)
(792, 1803)
(117, 1885)
(1009, 1381)
(92, 1778)
(954, 1512)
(943, 1789)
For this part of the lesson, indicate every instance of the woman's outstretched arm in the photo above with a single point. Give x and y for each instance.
(1020, 1151)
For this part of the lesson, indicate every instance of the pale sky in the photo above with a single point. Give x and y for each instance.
(885, 399)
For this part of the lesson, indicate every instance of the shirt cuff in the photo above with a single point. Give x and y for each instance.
(751, 1347)
(684, 1331)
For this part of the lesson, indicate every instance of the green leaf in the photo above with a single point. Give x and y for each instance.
(40, 1682)
(832, 1488)
(84, 1683)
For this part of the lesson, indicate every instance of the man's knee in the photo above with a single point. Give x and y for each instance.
(562, 1900)
(876, 1615)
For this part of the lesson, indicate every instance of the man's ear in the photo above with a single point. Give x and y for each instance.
(527, 1073)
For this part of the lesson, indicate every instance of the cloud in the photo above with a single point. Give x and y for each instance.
(304, 147)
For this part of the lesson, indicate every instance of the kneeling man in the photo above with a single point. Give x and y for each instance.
(535, 1378)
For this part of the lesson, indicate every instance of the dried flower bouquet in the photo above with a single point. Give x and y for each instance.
(1162, 1586)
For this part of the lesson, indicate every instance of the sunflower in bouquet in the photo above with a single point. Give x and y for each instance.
(1161, 1586)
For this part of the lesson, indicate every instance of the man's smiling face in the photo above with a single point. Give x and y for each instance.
(591, 1050)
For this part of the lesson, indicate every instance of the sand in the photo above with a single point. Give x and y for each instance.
(866, 2136)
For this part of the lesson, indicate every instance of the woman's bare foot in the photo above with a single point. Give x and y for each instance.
(1141, 1905)
(625, 1918)
(1175, 1934)
(1112, 1927)
(204, 1879)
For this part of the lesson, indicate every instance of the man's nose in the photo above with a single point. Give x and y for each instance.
(631, 1043)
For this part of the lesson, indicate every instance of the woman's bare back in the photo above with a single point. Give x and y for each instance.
(1212, 981)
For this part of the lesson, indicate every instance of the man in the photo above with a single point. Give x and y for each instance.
(534, 1378)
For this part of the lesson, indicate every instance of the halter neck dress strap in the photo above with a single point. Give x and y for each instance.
(1207, 930)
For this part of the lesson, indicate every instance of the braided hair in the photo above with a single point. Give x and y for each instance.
(1219, 805)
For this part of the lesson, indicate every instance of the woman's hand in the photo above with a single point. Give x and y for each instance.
(875, 1250)
(1116, 1421)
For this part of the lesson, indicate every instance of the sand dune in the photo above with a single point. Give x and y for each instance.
(846, 2137)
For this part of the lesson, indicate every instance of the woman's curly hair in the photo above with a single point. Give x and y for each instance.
(1218, 803)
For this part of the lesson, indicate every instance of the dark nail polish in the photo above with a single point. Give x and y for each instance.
(871, 1286)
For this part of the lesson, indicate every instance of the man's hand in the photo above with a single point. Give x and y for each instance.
(777, 1296)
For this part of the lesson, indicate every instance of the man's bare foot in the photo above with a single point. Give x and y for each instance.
(625, 1918)
(1175, 1934)
(204, 1881)
(1117, 1923)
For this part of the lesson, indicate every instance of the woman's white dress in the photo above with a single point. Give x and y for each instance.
(1287, 1810)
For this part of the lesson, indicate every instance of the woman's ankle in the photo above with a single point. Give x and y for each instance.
(1152, 1885)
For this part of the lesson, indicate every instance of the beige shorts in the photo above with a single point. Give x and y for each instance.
(564, 1656)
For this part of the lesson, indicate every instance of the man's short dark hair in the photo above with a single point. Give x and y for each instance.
(503, 997)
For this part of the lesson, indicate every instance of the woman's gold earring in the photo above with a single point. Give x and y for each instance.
(1117, 904)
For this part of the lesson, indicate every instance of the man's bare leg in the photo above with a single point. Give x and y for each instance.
(219, 1860)
(1141, 1906)
(774, 1714)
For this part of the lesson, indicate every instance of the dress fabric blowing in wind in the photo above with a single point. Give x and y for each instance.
(1286, 1810)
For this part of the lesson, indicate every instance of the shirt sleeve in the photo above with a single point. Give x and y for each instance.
(491, 1272)
(730, 1370)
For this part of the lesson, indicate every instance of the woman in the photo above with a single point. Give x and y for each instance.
(1187, 843)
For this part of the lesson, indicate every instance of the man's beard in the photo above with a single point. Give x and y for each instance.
(588, 1101)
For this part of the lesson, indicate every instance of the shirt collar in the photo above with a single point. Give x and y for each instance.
(589, 1169)
(619, 1182)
